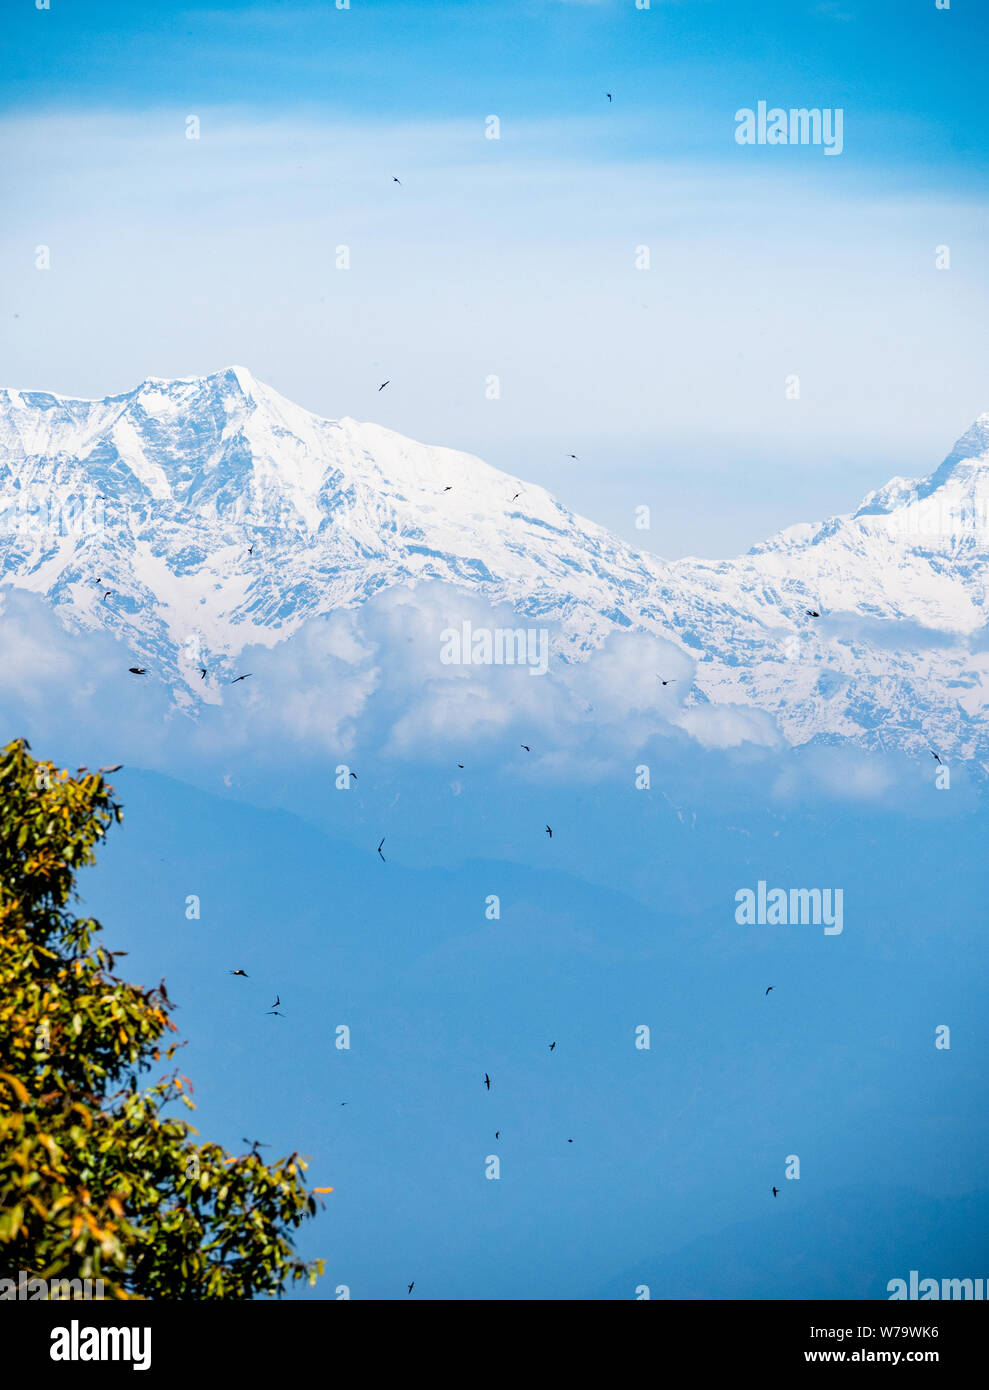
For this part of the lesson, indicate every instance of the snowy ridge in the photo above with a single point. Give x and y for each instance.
(161, 491)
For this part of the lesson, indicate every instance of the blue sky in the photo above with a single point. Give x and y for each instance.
(516, 257)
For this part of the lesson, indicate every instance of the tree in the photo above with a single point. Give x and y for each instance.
(95, 1181)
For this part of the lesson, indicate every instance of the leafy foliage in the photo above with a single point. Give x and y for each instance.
(95, 1181)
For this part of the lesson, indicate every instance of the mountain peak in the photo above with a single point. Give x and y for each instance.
(245, 379)
(972, 446)
(964, 470)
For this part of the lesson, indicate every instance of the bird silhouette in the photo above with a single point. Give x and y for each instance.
(109, 594)
(116, 768)
(354, 775)
(241, 678)
(573, 456)
(662, 682)
(138, 670)
(240, 972)
(767, 991)
(775, 1190)
(384, 384)
(935, 757)
(395, 180)
(278, 1000)
(552, 1046)
(275, 1012)
(526, 747)
(487, 1081)
(202, 673)
(383, 859)
(608, 95)
(460, 765)
(254, 1143)
(516, 497)
(448, 489)
(812, 612)
(549, 831)
(250, 548)
(497, 1133)
(413, 1284)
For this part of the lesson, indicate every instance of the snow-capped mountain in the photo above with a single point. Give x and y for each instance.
(214, 508)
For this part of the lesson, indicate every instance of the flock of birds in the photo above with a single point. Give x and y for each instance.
(275, 1010)
(203, 672)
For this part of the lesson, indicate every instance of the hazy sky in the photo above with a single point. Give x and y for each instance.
(516, 257)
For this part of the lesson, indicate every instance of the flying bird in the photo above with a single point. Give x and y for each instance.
(812, 612)
(516, 497)
(278, 1000)
(526, 747)
(241, 678)
(413, 1284)
(384, 384)
(138, 670)
(395, 180)
(250, 548)
(116, 768)
(497, 1133)
(608, 95)
(775, 1190)
(935, 757)
(549, 831)
(767, 991)
(383, 859)
(460, 765)
(109, 594)
(275, 1012)
(240, 972)
(354, 775)
(573, 456)
(254, 1143)
(662, 682)
(448, 489)
(487, 1081)
(202, 673)
(551, 1046)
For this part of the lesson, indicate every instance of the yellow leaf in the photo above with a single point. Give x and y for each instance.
(18, 1088)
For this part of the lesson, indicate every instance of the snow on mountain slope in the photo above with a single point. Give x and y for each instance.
(160, 492)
